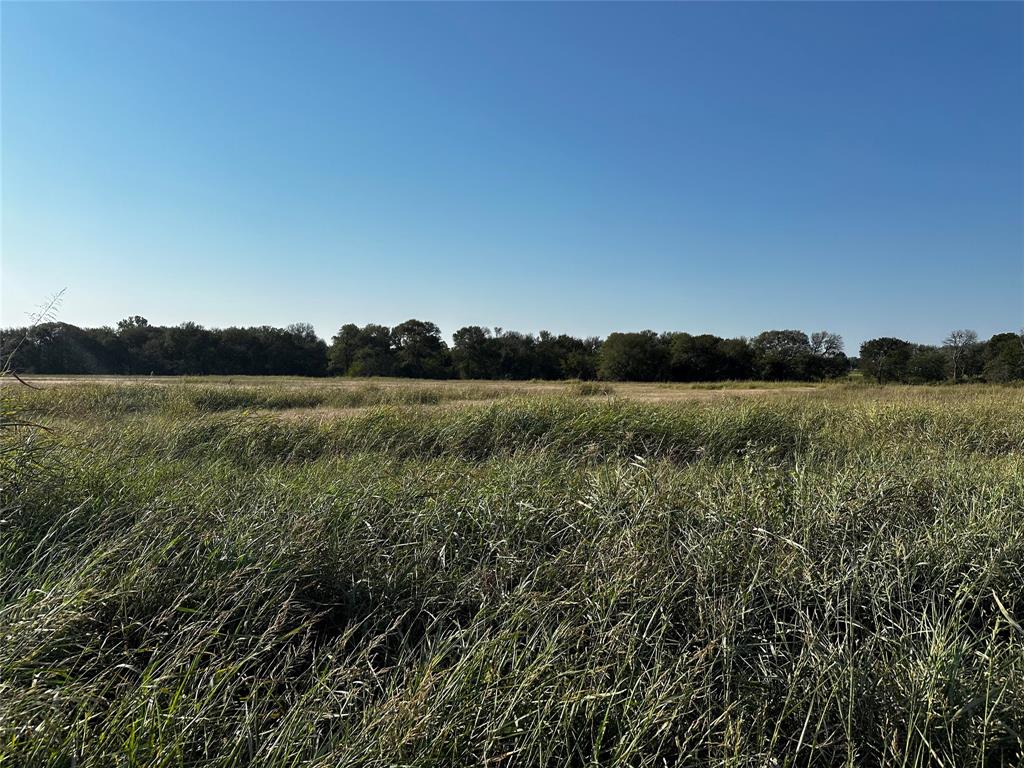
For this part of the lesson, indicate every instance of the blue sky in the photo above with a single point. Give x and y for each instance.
(577, 167)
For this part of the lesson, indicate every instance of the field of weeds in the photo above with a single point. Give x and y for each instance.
(440, 575)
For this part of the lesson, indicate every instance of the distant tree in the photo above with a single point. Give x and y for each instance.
(187, 349)
(63, 348)
(366, 351)
(415, 348)
(142, 346)
(18, 351)
(696, 358)
(564, 357)
(474, 353)
(959, 344)
(1003, 357)
(926, 365)
(304, 331)
(580, 359)
(782, 355)
(826, 344)
(135, 321)
(826, 359)
(374, 355)
(640, 356)
(342, 352)
(886, 358)
(548, 353)
(516, 354)
(238, 351)
(419, 350)
(307, 351)
(737, 359)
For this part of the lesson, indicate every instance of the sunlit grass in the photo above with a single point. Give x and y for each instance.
(827, 578)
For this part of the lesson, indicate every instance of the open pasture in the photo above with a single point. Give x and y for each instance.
(374, 573)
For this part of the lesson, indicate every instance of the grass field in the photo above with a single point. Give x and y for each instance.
(289, 573)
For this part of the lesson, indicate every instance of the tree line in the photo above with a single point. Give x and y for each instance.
(961, 357)
(417, 349)
(137, 348)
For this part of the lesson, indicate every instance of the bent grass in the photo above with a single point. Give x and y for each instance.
(537, 580)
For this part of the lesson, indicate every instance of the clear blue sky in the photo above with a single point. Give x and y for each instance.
(579, 167)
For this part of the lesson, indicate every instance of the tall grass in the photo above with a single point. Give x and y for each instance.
(826, 581)
(187, 399)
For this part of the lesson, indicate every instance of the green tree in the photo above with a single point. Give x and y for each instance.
(782, 355)
(1003, 357)
(579, 357)
(885, 358)
(374, 355)
(827, 360)
(516, 354)
(143, 352)
(695, 358)
(366, 351)
(474, 354)
(639, 356)
(926, 365)
(187, 349)
(342, 352)
(419, 350)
